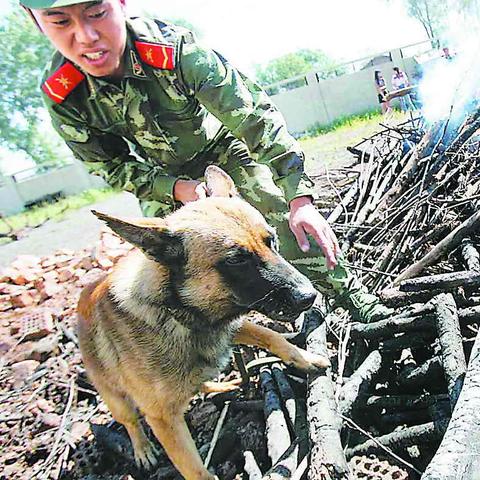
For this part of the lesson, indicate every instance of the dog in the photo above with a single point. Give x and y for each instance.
(159, 328)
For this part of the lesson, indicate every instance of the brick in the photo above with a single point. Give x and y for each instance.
(24, 299)
(22, 371)
(36, 324)
(66, 274)
(50, 276)
(104, 263)
(47, 289)
(86, 263)
(5, 303)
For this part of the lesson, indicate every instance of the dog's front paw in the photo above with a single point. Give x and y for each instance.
(146, 457)
(309, 362)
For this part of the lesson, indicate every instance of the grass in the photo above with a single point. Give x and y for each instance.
(56, 210)
(327, 146)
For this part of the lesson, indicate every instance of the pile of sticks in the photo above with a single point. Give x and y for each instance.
(410, 191)
(409, 220)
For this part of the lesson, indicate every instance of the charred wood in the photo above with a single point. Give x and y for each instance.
(470, 255)
(278, 435)
(419, 377)
(416, 435)
(450, 242)
(453, 358)
(359, 383)
(327, 459)
(442, 281)
(457, 456)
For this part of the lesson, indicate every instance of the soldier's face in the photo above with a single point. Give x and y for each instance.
(91, 34)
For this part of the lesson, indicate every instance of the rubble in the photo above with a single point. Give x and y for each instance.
(398, 389)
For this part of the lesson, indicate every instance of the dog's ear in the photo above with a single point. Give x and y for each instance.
(219, 183)
(154, 239)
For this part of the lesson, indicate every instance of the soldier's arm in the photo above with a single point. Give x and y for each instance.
(109, 156)
(246, 110)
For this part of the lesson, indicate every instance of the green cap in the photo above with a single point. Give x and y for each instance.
(39, 4)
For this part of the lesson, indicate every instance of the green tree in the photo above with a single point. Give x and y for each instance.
(294, 64)
(25, 53)
(432, 14)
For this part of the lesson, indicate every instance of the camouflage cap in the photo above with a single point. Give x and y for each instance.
(39, 4)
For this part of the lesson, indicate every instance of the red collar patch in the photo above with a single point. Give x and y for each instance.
(156, 55)
(62, 82)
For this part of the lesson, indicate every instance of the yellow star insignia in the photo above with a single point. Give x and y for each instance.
(149, 55)
(64, 81)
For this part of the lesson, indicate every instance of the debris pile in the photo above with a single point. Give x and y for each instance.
(55, 426)
(401, 400)
(410, 381)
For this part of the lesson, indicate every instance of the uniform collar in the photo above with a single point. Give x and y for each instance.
(134, 68)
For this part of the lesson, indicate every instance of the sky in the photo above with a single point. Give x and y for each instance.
(251, 32)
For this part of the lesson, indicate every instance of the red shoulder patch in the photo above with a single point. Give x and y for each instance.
(157, 55)
(59, 85)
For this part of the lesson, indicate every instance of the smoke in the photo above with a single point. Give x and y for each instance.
(449, 88)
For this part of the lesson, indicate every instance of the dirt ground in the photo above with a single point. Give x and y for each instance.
(78, 229)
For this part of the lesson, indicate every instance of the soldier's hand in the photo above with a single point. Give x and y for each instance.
(306, 219)
(185, 191)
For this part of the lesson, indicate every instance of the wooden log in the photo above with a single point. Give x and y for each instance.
(441, 282)
(457, 456)
(403, 402)
(407, 340)
(451, 241)
(417, 378)
(327, 459)
(359, 382)
(251, 466)
(470, 255)
(390, 326)
(453, 357)
(278, 435)
(296, 414)
(286, 465)
(341, 207)
(400, 323)
(416, 435)
(393, 297)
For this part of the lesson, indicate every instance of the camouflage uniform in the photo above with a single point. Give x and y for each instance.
(169, 121)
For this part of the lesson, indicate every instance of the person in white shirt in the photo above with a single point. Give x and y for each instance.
(399, 81)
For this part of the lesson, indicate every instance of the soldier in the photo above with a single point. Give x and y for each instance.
(145, 105)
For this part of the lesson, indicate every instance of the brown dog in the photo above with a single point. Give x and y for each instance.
(161, 324)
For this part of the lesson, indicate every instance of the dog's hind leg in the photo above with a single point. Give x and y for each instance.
(172, 432)
(251, 334)
(125, 412)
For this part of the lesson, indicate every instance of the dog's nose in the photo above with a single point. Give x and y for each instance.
(305, 299)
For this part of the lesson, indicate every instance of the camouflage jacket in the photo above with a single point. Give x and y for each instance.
(140, 133)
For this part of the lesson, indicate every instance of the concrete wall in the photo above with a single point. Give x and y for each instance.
(321, 102)
(67, 180)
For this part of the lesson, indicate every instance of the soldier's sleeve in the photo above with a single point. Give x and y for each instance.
(247, 111)
(109, 156)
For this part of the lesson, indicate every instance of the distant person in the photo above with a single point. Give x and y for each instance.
(446, 54)
(382, 91)
(399, 81)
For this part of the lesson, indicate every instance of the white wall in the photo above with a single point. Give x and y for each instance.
(321, 102)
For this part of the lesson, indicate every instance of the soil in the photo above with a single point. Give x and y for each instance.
(77, 230)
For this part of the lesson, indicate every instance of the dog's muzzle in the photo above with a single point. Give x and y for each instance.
(285, 304)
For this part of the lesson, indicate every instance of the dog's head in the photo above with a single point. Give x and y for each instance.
(221, 255)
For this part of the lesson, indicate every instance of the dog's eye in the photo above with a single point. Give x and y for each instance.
(237, 260)
(271, 242)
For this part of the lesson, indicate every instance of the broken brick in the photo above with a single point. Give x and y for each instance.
(37, 324)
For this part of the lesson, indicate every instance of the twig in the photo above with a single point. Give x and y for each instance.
(216, 434)
(60, 432)
(386, 449)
